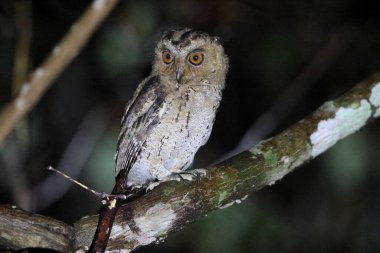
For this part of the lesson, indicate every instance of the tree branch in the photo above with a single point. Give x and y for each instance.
(173, 205)
(63, 53)
(19, 229)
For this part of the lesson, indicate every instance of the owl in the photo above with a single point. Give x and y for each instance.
(169, 117)
(173, 110)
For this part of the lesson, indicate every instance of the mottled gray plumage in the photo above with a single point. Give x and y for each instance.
(173, 110)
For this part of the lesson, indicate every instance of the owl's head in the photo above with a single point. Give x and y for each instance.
(187, 57)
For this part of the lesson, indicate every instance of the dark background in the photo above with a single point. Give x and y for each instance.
(287, 58)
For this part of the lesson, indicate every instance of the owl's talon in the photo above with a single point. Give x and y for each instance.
(183, 175)
(152, 185)
(200, 172)
(190, 175)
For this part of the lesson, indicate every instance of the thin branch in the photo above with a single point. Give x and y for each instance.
(63, 53)
(100, 195)
(19, 182)
(24, 21)
(173, 205)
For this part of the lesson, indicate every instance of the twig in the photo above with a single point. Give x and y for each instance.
(101, 195)
(63, 53)
(75, 181)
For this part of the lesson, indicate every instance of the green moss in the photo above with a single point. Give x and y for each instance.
(222, 196)
(168, 191)
(271, 159)
(347, 103)
(161, 235)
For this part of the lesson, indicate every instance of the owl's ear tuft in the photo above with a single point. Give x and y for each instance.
(215, 40)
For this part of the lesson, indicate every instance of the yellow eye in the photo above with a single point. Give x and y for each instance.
(167, 57)
(196, 58)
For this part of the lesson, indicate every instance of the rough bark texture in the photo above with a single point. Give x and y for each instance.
(172, 205)
(19, 229)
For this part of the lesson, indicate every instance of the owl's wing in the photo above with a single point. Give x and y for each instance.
(142, 113)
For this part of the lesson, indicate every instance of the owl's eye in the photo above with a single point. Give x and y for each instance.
(167, 57)
(196, 58)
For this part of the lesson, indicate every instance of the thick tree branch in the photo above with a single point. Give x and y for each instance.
(63, 53)
(172, 205)
(19, 229)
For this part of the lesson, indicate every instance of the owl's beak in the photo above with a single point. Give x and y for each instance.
(178, 75)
